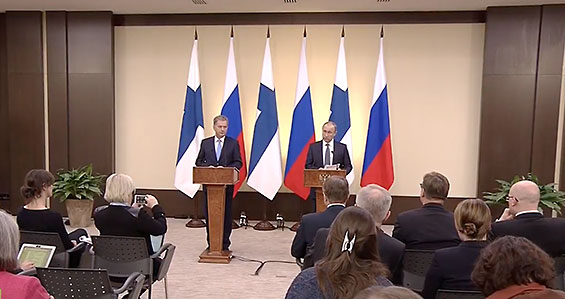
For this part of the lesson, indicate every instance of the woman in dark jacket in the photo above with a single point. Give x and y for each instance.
(451, 267)
(36, 216)
(124, 218)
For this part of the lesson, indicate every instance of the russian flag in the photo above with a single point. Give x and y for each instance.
(301, 133)
(339, 113)
(377, 164)
(265, 166)
(232, 110)
(192, 130)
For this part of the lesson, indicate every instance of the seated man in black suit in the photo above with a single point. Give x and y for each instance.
(336, 193)
(220, 150)
(430, 227)
(375, 200)
(522, 219)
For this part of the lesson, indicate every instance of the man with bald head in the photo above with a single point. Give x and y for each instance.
(523, 219)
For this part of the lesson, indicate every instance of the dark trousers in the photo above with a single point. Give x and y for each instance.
(227, 217)
(74, 257)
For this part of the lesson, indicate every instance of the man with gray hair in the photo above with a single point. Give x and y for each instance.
(377, 201)
(522, 219)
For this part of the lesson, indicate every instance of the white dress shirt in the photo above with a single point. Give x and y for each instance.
(331, 143)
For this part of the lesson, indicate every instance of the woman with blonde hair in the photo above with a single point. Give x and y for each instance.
(451, 267)
(14, 286)
(351, 263)
(122, 217)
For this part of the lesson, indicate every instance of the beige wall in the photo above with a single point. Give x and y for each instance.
(434, 75)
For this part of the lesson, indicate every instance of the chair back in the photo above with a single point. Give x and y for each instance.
(166, 263)
(76, 283)
(559, 269)
(122, 256)
(60, 258)
(415, 264)
(456, 294)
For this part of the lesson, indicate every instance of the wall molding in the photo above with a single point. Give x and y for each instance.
(306, 18)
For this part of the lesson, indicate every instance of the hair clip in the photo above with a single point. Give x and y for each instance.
(348, 244)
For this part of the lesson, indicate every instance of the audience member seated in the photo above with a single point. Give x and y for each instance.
(387, 293)
(336, 193)
(375, 200)
(124, 218)
(451, 267)
(35, 216)
(351, 263)
(430, 227)
(14, 286)
(514, 267)
(523, 219)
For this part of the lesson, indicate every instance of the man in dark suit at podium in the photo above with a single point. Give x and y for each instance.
(328, 151)
(220, 150)
(336, 193)
(377, 201)
(430, 227)
(522, 219)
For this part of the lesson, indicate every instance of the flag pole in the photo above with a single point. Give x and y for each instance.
(195, 222)
(264, 224)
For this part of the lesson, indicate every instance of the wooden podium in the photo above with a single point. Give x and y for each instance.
(215, 179)
(315, 178)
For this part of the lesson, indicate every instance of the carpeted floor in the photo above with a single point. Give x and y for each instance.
(189, 279)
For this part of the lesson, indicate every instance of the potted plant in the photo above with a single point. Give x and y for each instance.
(77, 188)
(549, 196)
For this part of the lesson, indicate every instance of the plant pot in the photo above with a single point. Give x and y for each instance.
(79, 211)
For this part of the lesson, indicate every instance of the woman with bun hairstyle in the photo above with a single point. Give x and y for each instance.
(351, 263)
(451, 267)
(35, 216)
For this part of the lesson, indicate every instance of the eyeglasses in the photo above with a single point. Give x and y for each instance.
(512, 197)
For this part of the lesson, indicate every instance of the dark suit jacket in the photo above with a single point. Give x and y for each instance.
(430, 227)
(309, 225)
(544, 232)
(315, 160)
(390, 250)
(451, 268)
(230, 156)
(127, 221)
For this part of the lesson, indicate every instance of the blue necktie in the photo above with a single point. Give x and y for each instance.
(218, 150)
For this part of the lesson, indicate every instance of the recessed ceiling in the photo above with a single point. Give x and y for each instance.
(228, 6)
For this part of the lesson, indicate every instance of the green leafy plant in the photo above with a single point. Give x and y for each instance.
(77, 184)
(549, 196)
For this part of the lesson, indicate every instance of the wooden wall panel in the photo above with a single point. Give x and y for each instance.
(4, 129)
(90, 50)
(508, 95)
(550, 68)
(25, 97)
(56, 22)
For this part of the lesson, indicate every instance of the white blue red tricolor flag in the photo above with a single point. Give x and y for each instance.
(377, 164)
(265, 166)
(301, 131)
(232, 110)
(192, 130)
(340, 106)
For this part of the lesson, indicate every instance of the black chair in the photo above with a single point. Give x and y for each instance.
(415, 264)
(559, 269)
(455, 294)
(61, 256)
(122, 256)
(86, 283)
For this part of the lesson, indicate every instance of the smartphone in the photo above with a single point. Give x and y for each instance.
(140, 198)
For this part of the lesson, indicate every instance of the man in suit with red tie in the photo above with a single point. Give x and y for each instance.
(220, 150)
